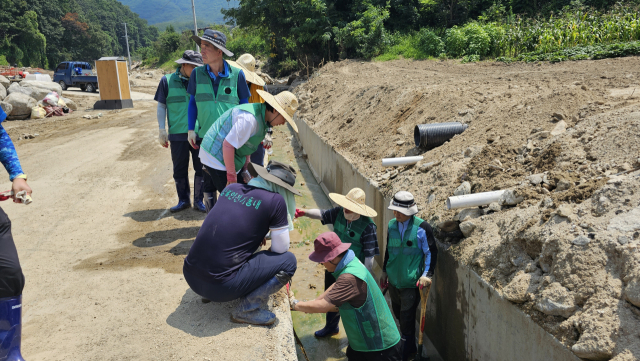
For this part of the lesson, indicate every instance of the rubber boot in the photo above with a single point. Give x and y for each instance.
(409, 347)
(184, 195)
(10, 328)
(331, 326)
(253, 307)
(198, 195)
(209, 201)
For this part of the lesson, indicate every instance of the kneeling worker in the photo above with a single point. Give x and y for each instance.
(221, 265)
(367, 320)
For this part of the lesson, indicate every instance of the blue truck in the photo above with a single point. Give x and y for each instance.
(76, 74)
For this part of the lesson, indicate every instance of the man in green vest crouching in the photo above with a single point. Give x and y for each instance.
(353, 224)
(367, 320)
(409, 264)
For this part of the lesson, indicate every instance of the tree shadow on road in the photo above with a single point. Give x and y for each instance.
(151, 215)
(160, 238)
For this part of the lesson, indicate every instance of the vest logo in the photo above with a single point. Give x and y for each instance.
(16, 306)
(227, 90)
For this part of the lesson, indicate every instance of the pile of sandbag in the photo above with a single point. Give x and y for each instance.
(51, 105)
(18, 100)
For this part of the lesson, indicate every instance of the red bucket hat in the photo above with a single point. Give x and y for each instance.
(327, 247)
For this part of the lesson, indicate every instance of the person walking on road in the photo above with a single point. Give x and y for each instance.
(173, 104)
(352, 223)
(214, 88)
(222, 264)
(11, 276)
(409, 264)
(367, 320)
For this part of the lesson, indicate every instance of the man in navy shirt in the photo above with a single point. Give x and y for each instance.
(221, 265)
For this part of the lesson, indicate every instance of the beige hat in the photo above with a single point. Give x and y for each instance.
(354, 201)
(247, 63)
(284, 103)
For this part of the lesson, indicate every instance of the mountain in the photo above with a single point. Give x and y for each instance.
(165, 12)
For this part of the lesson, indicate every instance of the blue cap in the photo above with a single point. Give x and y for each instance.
(215, 37)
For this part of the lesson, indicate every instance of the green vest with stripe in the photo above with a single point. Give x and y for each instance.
(212, 104)
(177, 105)
(406, 260)
(351, 233)
(371, 326)
(213, 139)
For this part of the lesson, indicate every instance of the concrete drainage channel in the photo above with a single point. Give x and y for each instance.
(466, 318)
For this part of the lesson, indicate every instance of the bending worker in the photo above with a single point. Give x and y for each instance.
(173, 104)
(247, 63)
(370, 328)
(11, 277)
(214, 88)
(353, 224)
(221, 265)
(409, 264)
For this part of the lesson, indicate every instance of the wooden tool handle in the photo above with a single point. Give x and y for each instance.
(424, 297)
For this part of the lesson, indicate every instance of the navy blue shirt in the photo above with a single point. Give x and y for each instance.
(161, 97)
(234, 229)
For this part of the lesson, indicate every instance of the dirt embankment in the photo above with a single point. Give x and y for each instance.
(558, 135)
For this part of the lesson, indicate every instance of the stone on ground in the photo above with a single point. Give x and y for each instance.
(6, 107)
(632, 292)
(4, 81)
(3, 92)
(70, 104)
(21, 104)
(556, 300)
(521, 285)
(48, 85)
(467, 228)
(464, 188)
(626, 222)
(510, 198)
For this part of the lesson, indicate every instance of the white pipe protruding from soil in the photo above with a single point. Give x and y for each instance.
(473, 200)
(392, 162)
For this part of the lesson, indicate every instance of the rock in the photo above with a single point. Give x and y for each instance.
(556, 300)
(468, 152)
(21, 104)
(535, 179)
(427, 167)
(564, 210)
(464, 188)
(467, 214)
(495, 206)
(400, 142)
(4, 81)
(581, 241)
(521, 285)
(601, 206)
(626, 222)
(563, 185)
(632, 292)
(558, 116)
(591, 351)
(47, 85)
(543, 134)
(467, 228)
(448, 226)
(510, 198)
(560, 128)
(6, 107)
(432, 198)
(70, 104)
(385, 176)
(623, 240)
(3, 93)
(583, 87)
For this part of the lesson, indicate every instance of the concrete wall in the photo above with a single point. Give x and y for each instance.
(467, 319)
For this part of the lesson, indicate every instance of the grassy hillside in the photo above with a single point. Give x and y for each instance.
(163, 12)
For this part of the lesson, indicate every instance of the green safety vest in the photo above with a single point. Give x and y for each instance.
(406, 260)
(213, 139)
(177, 105)
(352, 235)
(371, 326)
(211, 105)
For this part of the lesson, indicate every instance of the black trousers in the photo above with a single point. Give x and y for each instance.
(11, 277)
(393, 353)
(404, 302)
(216, 180)
(180, 151)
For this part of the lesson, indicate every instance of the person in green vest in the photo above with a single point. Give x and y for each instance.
(353, 224)
(409, 264)
(215, 88)
(173, 104)
(227, 146)
(367, 320)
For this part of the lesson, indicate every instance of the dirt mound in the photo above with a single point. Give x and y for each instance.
(565, 138)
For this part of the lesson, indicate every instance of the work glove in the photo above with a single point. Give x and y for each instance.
(384, 280)
(163, 138)
(267, 143)
(423, 282)
(299, 213)
(191, 137)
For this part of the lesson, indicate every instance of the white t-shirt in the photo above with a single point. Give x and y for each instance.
(244, 127)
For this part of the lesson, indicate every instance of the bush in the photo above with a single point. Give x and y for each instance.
(367, 34)
(456, 42)
(249, 41)
(478, 41)
(429, 42)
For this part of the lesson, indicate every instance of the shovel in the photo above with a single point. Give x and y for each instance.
(424, 296)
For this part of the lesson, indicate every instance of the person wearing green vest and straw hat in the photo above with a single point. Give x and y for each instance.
(236, 134)
(367, 320)
(409, 264)
(214, 88)
(353, 224)
(173, 104)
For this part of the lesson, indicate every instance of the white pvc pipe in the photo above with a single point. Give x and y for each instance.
(392, 162)
(473, 200)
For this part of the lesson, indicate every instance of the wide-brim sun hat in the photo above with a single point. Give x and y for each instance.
(191, 57)
(247, 63)
(404, 203)
(216, 38)
(354, 201)
(277, 173)
(326, 247)
(284, 103)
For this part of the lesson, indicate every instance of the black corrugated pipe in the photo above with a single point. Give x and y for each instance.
(429, 136)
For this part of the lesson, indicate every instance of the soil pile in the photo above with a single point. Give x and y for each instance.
(563, 139)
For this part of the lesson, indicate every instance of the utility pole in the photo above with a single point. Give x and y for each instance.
(195, 23)
(127, 38)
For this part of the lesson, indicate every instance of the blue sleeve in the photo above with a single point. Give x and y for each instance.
(162, 91)
(8, 155)
(192, 112)
(424, 245)
(243, 89)
(191, 87)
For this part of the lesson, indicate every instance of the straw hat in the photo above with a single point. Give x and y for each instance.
(354, 201)
(247, 63)
(284, 103)
(404, 203)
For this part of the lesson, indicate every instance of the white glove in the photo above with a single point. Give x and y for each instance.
(191, 137)
(163, 138)
(268, 141)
